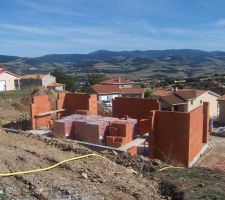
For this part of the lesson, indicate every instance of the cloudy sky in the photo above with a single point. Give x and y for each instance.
(39, 27)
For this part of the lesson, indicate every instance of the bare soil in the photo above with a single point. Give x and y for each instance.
(90, 178)
(215, 157)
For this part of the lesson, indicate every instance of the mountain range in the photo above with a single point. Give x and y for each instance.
(153, 62)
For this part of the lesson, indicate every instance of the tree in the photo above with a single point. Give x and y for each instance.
(147, 94)
(68, 80)
(93, 79)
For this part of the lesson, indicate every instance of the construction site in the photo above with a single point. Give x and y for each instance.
(56, 145)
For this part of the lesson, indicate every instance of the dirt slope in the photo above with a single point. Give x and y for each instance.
(90, 178)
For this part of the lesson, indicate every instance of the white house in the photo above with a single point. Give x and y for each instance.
(187, 100)
(116, 87)
(8, 80)
(45, 80)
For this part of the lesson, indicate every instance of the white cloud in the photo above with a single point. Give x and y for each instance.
(220, 23)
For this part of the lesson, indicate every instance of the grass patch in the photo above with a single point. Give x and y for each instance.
(16, 94)
(192, 174)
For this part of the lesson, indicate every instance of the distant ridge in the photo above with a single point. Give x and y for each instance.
(105, 55)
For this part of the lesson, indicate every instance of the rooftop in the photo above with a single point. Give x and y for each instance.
(178, 97)
(107, 89)
(116, 81)
(189, 94)
(56, 84)
(172, 99)
(33, 76)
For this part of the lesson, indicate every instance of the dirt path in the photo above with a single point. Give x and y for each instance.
(215, 157)
(90, 178)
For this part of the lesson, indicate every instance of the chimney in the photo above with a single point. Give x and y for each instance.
(175, 88)
(1, 68)
(119, 79)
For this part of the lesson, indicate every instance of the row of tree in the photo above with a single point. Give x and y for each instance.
(73, 85)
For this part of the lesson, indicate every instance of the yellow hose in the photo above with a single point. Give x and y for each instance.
(50, 167)
(170, 167)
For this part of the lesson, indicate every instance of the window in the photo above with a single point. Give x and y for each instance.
(191, 102)
(200, 101)
(16, 83)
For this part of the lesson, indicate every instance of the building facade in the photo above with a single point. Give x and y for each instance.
(8, 81)
(45, 80)
(187, 100)
(116, 87)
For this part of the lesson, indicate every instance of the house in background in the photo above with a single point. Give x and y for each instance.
(56, 86)
(221, 102)
(117, 87)
(8, 80)
(187, 100)
(45, 80)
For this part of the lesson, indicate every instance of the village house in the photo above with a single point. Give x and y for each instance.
(187, 100)
(45, 80)
(117, 87)
(221, 104)
(8, 80)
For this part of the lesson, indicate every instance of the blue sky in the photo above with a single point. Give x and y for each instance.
(39, 27)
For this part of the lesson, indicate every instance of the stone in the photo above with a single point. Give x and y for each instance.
(84, 175)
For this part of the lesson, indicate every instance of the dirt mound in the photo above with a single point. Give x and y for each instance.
(38, 91)
(90, 178)
(139, 163)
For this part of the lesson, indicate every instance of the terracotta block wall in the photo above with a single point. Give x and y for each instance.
(134, 107)
(177, 136)
(77, 102)
(171, 131)
(195, 132)
(40, 104)
(119, 133)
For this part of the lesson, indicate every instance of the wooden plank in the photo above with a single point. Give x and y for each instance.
(134, 142)
(49, 113)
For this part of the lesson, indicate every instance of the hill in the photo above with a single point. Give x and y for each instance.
(135, 64)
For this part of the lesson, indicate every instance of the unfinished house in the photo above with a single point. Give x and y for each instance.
(67, 104)
(137, 109)
(179, 136)
(175, 136)
(137, 124)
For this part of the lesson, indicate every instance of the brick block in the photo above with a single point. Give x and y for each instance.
(133, 151)
(112, 131)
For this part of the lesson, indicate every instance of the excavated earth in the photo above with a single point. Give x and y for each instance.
(89, 178)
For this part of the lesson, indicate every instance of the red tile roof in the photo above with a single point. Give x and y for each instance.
(189, 94)
(173, 100)
(178, 97)
(34, 76)
(160, 93)
(55, 84)
(104, 89)
(222, 98)
(184, 94)
(116, 81)
(132, 90)
(107, 89)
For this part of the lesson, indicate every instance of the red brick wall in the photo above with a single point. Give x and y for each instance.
(77, 101)
(134, 107)
(195, 132)
(171, 136)
(177, 136)
(40, 104)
